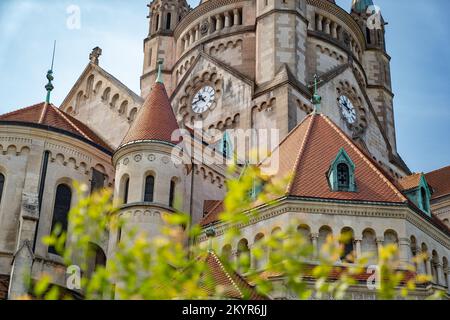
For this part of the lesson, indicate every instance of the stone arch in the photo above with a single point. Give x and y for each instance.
(123, 109)
(98, 87)
(390, 237)
(106, 94)
(305, 232)
(79, 100)
(133, 114)
(369, 244)
(114, 100)
(89, 85)
(324, 233)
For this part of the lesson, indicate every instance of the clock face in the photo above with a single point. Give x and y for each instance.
(203, 99)
(347, 109)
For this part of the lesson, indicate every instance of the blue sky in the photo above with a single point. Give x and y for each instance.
(418, 41)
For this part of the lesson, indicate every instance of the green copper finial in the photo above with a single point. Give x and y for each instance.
(316, 98)
(159, 78)
(49, 87)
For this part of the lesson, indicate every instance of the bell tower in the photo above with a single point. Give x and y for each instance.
(376, 62)
(281, 34)
(164, 16)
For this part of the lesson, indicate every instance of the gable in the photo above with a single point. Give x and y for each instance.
(102, 102)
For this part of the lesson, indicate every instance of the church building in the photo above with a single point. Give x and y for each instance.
(316, 73)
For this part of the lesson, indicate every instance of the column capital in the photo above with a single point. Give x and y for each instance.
(314, 235)
(358, 239)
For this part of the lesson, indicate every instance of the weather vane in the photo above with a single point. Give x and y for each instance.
(316, 98)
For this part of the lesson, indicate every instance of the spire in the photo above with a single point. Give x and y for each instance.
(159, 78)
(361, 6)
(155, 120)
(49, 87)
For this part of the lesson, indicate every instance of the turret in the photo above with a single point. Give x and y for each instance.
(376, 62)
(371, 21)
(164, 16)
(149, 179)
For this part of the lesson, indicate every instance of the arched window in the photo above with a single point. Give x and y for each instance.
(96, 259)
(172, 193)
(106, 94)
(90, 85)
(126, 187)
(168, 21)
(149, 188)
(324, 233)
(243, 254)
(369, 245)
(347, 241)
(2, 184)
(343, 176)
(61, 210)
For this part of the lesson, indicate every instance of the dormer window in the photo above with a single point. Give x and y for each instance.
(341, 175)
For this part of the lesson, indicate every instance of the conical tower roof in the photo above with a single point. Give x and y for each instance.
(155, 120)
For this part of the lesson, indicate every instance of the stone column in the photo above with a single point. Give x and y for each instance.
(380, 241)
(428, 266)
(447, 280)
(186, 42)
(227, 20)
(319, 23)
(314, 240)
(358, 251)
(219, 22)
(327, 26)
(334, 30)
(192, 32)
(197, 33)
(237, 18)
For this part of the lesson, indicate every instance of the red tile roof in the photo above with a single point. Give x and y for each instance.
(307, 153)
(230, 282)
(48, 115)
(155, 120)
(439, 180)
(410, 182)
